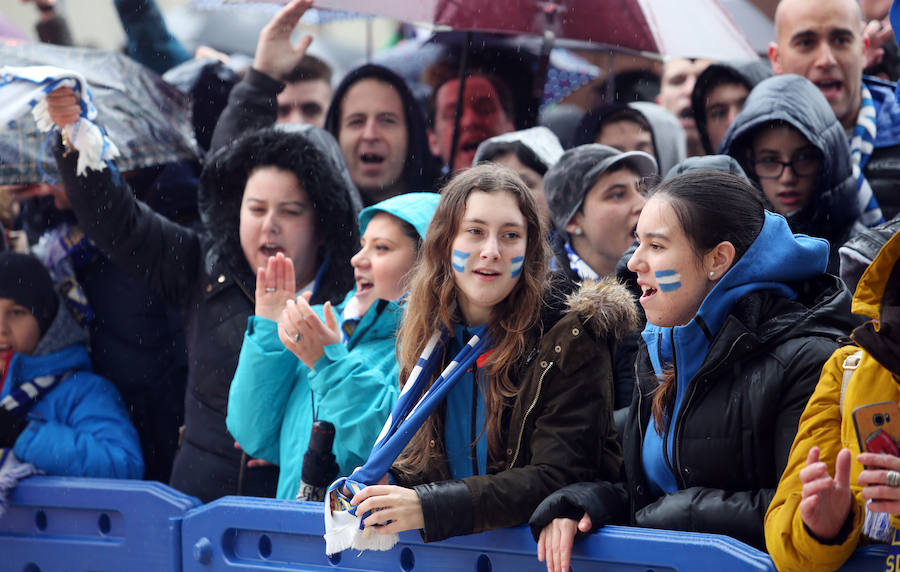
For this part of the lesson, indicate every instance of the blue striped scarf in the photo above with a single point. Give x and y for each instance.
(25, 88)
(579, 266)
(22, 398)
(862, 143)
(343, 528)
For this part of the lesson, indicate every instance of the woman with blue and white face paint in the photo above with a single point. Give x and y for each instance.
(527, 410)
(741, 316)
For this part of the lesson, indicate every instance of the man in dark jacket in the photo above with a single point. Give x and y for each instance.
(379, 126)
(866, 107)
(381, 131)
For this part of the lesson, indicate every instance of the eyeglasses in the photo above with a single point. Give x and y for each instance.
(803, 163)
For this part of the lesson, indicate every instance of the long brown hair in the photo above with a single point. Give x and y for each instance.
(711, 207)
(432, 307)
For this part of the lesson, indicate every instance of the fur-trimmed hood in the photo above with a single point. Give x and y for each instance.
(314, 157)
(606, 305)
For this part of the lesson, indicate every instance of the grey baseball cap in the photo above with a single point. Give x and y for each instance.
(567, 183)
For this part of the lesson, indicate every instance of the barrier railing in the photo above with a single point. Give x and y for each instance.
(58, 523)
(97, 524)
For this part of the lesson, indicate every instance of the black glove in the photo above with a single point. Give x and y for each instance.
(11, 426)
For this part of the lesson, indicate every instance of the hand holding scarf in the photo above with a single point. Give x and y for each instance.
(343, 526)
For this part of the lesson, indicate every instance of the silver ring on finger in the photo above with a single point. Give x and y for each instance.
(298, 336)
(892, 479)
(270, 290)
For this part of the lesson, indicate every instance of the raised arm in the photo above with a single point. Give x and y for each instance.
(142, 242)
(252, 103)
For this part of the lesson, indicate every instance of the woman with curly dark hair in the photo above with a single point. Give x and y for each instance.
(274, 190)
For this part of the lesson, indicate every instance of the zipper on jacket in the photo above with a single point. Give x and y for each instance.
(247, 294)
(680, 424)
(528, 412)
(665, 440)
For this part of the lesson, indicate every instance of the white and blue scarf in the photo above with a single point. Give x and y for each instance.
(579, 266)
(23, 397)
(24, 88)
(862, 143)
(343, 527)
(12, 470)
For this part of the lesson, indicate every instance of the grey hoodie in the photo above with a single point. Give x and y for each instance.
(669, 140)
(794, 100)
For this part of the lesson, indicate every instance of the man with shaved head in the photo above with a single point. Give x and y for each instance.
(822, 40)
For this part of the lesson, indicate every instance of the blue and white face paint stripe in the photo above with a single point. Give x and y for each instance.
(458, 260)
(668, 280)
(517, 265)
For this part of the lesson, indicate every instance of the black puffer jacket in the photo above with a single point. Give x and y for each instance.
(734, 433)
(209, 279)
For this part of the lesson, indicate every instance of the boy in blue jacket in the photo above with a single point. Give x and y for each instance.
(54, 412)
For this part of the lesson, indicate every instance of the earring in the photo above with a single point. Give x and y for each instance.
(712, 274)
(578, 231)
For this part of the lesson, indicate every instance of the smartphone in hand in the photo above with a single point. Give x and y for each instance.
(878, 427)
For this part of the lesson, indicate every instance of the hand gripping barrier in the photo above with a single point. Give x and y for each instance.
(60, 523)
(77, 525)
(236, 533)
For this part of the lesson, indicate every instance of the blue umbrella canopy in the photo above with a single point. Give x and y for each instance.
(148, 119)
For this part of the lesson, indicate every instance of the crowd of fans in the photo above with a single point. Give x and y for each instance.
(653, 309)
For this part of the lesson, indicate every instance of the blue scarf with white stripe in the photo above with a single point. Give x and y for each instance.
(24, 88)
(343, 527)
(862, 143)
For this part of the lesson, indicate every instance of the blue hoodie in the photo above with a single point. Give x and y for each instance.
(275, 399)
(776, 258)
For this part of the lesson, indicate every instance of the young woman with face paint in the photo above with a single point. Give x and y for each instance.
(741, 318)
(340, 354)
(533, 412)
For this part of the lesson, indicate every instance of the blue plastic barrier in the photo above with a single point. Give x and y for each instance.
(136, 526)
(58, 523)
(236, 533)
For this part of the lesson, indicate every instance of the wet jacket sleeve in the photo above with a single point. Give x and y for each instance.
(788, 541)
(741, 513)
(148, 246)
(259, 394)
(148, 38)
(356, 390)
(572, 441)
(252, 104)
(81, 429)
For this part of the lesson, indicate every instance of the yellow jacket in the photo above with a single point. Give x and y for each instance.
(823, 423)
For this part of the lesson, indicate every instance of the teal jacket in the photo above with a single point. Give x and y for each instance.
(274, 398)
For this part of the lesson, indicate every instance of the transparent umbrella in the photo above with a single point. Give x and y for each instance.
(148, 119)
